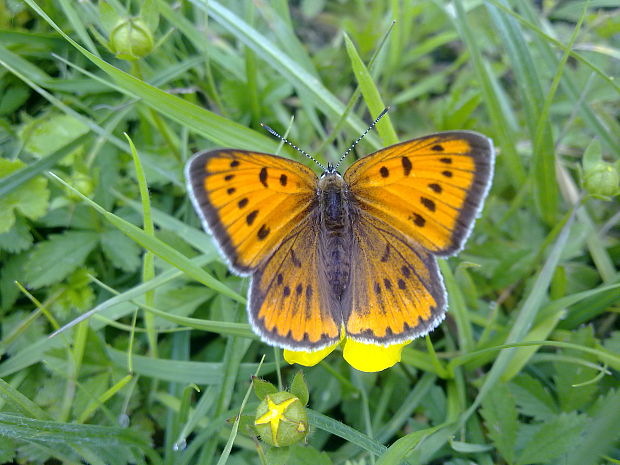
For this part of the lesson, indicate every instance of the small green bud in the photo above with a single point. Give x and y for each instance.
(131, 39)
(602, 180)
(281, 419)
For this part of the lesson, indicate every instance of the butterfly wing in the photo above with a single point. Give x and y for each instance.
(430, 188)
(288, 301)
(249, 201)
(397, 292)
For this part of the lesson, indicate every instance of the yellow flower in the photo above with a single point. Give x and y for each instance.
(361, 356)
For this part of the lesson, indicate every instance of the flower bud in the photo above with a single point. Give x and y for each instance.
(281, 419)
(602, 180)
(131, 39)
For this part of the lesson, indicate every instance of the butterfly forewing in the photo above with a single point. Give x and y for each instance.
(397, 292)
(249, 201)
(430, 189)
(289, 305)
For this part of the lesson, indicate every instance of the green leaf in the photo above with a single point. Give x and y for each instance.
(500, 417)
(554, 438)
(567, 375)
(11, 271)
(108, 16)
(532, 398)
(23, 428)
(308, 456)
(17, 238)
(159, 248)
(263, 388)
(122, 252)
(318, 420)
(592, 155)
(30, 199)
(371, 94)
(406, 445)
(150, 14)
(54, 259)
(46, 135)
(601, 433)
(299, 388)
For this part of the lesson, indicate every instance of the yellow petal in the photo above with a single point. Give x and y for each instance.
(371, 357)
(308, 359)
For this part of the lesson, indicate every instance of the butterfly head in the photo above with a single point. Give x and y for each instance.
(331, 169)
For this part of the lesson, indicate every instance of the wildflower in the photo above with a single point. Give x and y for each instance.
(360, 355)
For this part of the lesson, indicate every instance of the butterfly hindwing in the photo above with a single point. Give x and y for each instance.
(289, 304)
(397, 292)
(430, 188)
(249, 201)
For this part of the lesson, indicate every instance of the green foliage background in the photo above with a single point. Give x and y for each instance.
(526, 368)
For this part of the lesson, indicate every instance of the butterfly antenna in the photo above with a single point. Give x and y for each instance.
(272, 132)
(344, 155)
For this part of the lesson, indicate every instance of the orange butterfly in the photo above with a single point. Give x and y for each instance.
(353, 255)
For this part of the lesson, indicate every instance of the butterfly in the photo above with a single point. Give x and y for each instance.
(351, 255)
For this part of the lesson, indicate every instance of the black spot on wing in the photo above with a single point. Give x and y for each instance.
(263, 232)
(251, 217)
(428, 203)
(435, 187)
(262, 176)
(406, 165)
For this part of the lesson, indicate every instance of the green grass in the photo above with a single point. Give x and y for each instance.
(97, 232)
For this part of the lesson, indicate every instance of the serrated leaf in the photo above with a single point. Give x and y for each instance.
(17, 238)
(301, 455)
(11, 271)
(30, 199)
(500, 417)
(570, 374)
(53, 260)
(278, 455)
(601, 432)
(299, 388)
(122, 252)
(532, 398)
(555, 438)
(263, 388)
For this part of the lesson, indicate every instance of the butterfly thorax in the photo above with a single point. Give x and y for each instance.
(335, 231)
(333, 202)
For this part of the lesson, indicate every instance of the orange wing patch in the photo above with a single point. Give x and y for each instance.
(397, 292)
(429, 188)
(288, 303)
(249, 201)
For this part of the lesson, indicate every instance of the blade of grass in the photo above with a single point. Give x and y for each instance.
(181, 371)
(318, 420)
(371, 94)
(535, 103)
(281, 63)
(492, 101)
(148, 263)
(525, 317)
(158, 247)
(214, 127)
